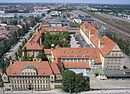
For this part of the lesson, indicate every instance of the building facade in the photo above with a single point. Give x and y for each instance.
(111, 55)
(32, 75)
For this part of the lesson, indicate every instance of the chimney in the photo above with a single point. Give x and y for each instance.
(89, 35)
(99, 43)
(11, 62)
(52, 46)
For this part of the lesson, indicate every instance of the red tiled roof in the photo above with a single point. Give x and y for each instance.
(55, 68)
(43, 68)
(108, 43)
(76, 65)
(80, 52)
(54, 29)
(78, 31)
(47, 51)
(33, 44)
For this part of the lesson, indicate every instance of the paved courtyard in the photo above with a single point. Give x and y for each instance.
(73, 42)
(109, 83)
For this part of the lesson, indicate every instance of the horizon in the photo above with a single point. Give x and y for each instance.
(70, 1)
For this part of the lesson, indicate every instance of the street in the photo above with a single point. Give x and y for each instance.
(13, 50)
(59, 91)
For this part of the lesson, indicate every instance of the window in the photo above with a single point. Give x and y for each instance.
(83, 55)
(75, 55)
(41, 86)
(68, 55)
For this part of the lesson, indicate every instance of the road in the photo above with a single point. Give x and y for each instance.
(13, 50)
(59, 91)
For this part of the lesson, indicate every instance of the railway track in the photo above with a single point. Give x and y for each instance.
(121, 31)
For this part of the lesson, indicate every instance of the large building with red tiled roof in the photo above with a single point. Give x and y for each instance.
(103, 53)
(54, 30)
(111, 55)
(35, 75)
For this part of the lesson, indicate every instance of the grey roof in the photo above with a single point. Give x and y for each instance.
(113, 72)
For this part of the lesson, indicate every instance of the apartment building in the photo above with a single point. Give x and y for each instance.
(32, 75)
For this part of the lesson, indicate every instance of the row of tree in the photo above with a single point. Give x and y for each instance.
(124, 45)
(73, 82)
(4, 63)
(18, 54)
(60, 39)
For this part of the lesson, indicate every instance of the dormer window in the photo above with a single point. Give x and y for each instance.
(101, 45)
(68, 55)
(83, 55)
(75, 55)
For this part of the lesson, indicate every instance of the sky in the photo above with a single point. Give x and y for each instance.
(70, 1)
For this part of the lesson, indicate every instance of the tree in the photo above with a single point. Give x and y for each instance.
(55, 39)
(41, 55)
(19, 53)
(14, 22)
(79, 83)
(73, 82)
(16, 56)
(5, 45)
(25, 54)
(68, 81)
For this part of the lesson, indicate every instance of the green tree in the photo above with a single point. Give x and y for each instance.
(14, 22)
(5, 45)
(19, 53)
(16, 56)
(25, 54)
(73, 82)
(68, 81)
(79, 83)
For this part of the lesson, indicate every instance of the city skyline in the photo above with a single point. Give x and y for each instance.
(70, 1)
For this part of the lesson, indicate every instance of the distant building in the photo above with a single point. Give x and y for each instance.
(81, 17)
(58, 22)
(9, 15)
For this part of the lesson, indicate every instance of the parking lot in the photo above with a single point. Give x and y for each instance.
(82, 42)
(77, 41)
(73, 42)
